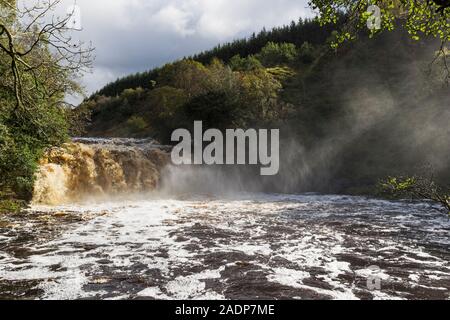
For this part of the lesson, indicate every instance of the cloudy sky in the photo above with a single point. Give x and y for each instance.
(136, 35)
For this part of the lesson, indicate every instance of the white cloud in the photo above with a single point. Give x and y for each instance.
(175, 18)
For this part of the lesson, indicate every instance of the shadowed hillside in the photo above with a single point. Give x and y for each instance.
(348, 118)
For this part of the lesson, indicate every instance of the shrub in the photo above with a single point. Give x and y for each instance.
(306, 53)
(136, 124)
(245, 64)
(274, 54)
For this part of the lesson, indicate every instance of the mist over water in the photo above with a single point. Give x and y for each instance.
(386, 116)
(201, 180)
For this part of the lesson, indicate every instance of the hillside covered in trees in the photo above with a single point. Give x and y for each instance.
(348, 117)
(296, 33)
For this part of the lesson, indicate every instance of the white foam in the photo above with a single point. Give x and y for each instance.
(146, 232)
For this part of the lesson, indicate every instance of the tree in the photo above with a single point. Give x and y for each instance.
(306, 52)
(258, 96)
(39, 52)
(427, 17)
(216, 109)
(164, 111)
(237, 63)
(277, 54)
(186, 74)
(418, 187)
(39, 65)
(136, 124)
(418, 17)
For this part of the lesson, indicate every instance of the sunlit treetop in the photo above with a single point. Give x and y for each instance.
(419, 17)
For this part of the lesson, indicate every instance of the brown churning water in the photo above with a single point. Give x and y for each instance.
(99, 168)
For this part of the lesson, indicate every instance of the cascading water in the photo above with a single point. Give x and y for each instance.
(87, 169)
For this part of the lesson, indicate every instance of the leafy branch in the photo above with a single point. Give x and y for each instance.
(419, 17)
(418, 188)
(43, 57)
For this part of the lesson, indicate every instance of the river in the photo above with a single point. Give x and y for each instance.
(255, 246)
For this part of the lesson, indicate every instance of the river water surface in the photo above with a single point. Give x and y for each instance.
(255, 246)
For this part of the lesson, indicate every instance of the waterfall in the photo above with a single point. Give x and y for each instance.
(99, 168)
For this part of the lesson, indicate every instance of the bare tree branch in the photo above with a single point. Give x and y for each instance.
(41, 47)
